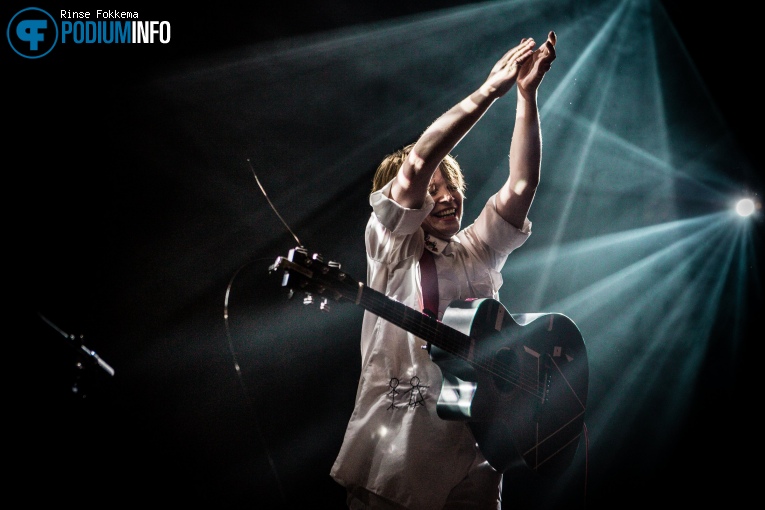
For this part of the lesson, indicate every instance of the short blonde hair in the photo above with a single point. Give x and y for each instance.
(392, 162)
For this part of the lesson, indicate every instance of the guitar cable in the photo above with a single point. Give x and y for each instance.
(232, 350)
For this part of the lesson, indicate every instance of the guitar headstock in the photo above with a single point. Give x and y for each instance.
(310, 274)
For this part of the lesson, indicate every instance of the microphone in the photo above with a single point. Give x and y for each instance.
(82, 349)
(95, 358)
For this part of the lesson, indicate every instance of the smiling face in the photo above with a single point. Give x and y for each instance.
(445, 218)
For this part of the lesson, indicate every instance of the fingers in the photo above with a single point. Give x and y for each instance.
(522, 51)
(510, 55)
(547, 50)
(517, 55)
(522, 48)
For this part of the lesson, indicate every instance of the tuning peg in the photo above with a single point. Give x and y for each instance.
(324, 306)
(336, 265)
(308, 299)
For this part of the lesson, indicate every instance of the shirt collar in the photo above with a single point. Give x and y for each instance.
(435, 244)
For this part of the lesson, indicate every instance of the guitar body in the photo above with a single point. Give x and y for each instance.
(521, 384)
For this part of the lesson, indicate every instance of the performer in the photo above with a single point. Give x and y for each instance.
(397, 453)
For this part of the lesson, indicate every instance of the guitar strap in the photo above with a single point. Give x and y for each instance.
(429, 279)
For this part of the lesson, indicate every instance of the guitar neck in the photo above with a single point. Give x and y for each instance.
(418, 323)
(312, 275)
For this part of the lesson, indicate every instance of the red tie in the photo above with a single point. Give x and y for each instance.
(429, 283)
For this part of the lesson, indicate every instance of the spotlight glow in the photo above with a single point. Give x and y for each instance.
(745, 207)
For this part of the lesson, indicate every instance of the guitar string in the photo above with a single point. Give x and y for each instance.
(272, 205)
(463, 339)
(414, 318)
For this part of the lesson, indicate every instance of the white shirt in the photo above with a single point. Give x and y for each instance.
(395, 444)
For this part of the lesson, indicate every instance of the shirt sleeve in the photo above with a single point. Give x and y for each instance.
(396, 218)
(498, 234)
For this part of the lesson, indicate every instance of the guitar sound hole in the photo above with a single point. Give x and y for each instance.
(507, 370)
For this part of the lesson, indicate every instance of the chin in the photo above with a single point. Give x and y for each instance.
(447, 234)
(443, 231)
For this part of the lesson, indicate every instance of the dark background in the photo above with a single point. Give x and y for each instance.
(178, 424)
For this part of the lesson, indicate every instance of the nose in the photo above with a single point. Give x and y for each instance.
(445, 196)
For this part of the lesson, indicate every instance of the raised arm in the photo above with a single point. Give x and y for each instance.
(515, 197)
(437, 141)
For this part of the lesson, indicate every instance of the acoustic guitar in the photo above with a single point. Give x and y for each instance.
(518, 380)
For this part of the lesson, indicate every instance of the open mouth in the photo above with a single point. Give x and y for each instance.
(446, 213)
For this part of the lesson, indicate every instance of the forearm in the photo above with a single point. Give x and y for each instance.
(443, 135)
(515, 197)
(436, 142)
(526, 146)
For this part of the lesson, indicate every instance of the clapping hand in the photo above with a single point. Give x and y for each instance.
(506, 71)
(534, 68)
